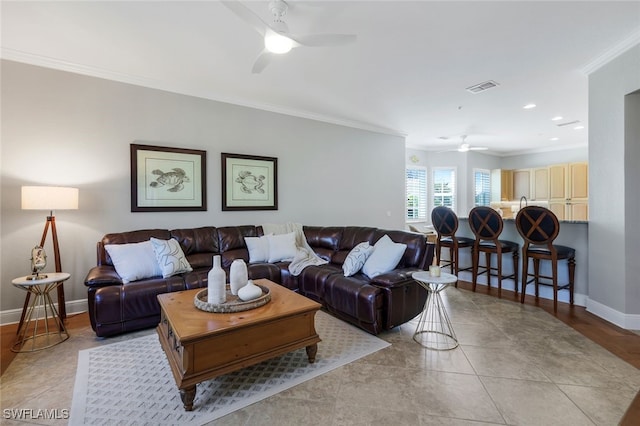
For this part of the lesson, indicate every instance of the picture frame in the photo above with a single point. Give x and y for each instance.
(165, 179)
(249, 182)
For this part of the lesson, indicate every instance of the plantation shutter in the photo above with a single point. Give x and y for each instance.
(482, 184)
(416, 189)
(444, 187)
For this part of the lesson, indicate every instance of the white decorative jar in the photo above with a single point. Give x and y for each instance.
(238, 276)
(249, 292)
(216, 283)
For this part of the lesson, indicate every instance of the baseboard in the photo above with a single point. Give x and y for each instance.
(12, 316)
(622, 320)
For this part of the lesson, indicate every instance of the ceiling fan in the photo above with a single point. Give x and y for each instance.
(277, 38)
(465, 147)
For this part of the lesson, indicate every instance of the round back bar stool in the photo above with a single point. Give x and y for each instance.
(486, 224)
(538, 227)
(445, 223)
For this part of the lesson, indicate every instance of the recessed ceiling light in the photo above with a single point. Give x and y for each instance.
(529, 106)
(578, 128)
(556, 118)
(554, 139)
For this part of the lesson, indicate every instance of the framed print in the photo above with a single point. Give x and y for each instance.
(168, 179)
(249, 182)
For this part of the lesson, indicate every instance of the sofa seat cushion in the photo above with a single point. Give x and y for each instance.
(355, 297)
(133, 300)
(269, 271)
(196, 279)
(312, 280)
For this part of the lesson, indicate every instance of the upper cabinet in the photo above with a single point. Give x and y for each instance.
(564, 187)
(540, 184)
(506, 185)
(569, 191)
(522, 184)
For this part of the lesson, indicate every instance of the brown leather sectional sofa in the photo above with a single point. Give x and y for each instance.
(374, 305)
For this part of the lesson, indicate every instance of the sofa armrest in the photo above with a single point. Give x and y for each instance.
(102, 276)
(394, 278)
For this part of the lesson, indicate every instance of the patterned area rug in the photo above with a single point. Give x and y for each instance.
(132, 381)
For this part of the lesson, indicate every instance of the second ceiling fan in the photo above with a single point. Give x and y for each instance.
(465, 147)
(277, 38)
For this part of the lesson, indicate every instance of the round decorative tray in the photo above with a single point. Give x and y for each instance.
(233, 303)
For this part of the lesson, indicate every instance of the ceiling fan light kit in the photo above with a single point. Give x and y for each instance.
(278, 44)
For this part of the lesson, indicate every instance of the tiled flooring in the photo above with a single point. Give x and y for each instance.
(516, 364)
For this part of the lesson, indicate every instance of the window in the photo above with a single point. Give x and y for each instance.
(482, 185)
(444, 187)
(416, 188)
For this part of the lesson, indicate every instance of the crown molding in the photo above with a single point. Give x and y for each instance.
(616, 50)
(61, 65)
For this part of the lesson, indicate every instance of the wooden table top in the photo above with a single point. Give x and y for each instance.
(191, 323)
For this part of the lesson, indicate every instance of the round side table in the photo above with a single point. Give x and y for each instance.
(36, 331)
(434, 330)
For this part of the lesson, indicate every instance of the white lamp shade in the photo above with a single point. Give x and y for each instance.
(49, 198)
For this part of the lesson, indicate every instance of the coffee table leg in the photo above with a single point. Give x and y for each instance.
(188, 395)
(312, 350)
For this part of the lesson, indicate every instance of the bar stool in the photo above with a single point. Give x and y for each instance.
(486, 224)
(445, 222)
(538, 227)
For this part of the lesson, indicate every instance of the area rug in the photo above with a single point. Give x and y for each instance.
(131, 381)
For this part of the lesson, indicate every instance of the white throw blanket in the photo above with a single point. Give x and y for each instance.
(305, 256)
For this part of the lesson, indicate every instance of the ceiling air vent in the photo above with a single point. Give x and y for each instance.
(568, 123)
(481, 87)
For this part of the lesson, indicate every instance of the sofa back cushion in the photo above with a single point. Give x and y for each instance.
(198, 244)
(232, 245)
(127, 238)
(324, 240)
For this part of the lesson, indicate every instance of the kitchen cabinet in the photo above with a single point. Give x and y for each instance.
(540, 184)
(521, 184)
(506, 185)
(569, 191)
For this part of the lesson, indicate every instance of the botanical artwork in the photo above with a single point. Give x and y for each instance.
(249, 182)
(167, 179)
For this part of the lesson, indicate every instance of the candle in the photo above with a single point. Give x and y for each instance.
(434, 270)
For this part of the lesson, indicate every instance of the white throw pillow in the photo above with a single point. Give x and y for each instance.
(170, 256)
(134, 261)
(282, 247)
(258, 249)
(385, 257)
(356, 258)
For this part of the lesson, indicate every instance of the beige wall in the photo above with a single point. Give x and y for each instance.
(60, 128)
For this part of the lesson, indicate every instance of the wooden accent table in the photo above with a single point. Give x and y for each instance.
(202, 345)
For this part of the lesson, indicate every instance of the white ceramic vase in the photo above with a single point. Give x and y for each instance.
(249, 292)
(238, 276)
(216, 283)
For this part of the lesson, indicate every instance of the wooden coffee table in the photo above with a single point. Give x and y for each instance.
(202, 345)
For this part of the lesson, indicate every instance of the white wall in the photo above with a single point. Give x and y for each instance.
(60, 128)
(613, 279)
(548, 158)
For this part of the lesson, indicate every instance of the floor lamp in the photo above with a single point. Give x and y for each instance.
(50, 198)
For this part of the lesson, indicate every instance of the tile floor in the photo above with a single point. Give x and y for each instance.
(515, 365)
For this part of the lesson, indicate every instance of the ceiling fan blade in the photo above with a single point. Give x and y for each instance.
(247, 15)
(262, 61)
(317, 40)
